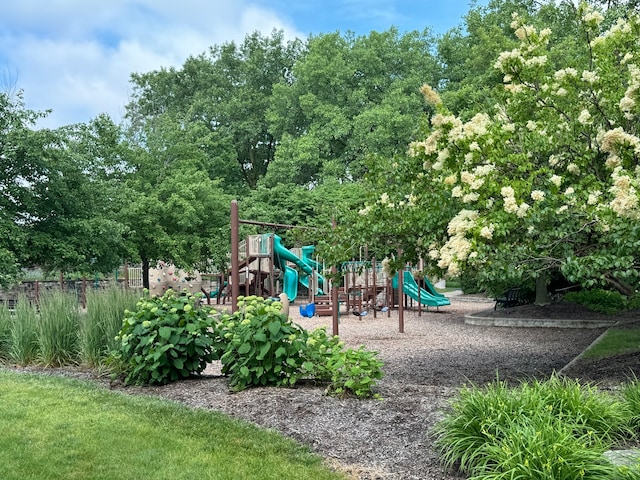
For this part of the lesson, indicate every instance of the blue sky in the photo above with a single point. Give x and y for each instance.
(75, 57)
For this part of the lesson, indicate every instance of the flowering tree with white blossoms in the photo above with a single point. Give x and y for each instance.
(548, 180)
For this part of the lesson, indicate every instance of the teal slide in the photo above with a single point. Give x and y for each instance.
(411, 288)
(290, 284)
(291, 277)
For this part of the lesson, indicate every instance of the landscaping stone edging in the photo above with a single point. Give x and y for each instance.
(473, 319)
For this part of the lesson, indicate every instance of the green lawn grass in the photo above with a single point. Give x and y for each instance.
(57, 428)
(616, 340)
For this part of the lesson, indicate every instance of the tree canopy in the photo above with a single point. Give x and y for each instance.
(544, 181)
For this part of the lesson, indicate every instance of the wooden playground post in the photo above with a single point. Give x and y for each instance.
(83, 295)
(375, 288)
(235, 253)
(401, 301)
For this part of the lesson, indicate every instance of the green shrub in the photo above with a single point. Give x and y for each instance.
(166, 339)
(633, 303)
(598, 300)
(554, 429)
(259, 345)
(354, 371)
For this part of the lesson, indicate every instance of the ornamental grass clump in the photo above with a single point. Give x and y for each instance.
(23, 346)
(631, 393)
(5, 332)
(556, 429)
(57, 328)
(102, 322)
(165, 339)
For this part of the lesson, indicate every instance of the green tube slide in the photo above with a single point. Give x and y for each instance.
(291, 276)
(411, 288)
(290, 283)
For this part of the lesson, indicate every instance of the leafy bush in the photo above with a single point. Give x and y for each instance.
(259, 345)
(633, 303)
(167, 338)
(555, 429)
(598, 300)
(354, 371)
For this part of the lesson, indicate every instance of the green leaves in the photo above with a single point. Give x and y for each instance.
(157, 346)
(257, 346)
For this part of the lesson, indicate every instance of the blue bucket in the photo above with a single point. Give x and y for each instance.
(308, 310)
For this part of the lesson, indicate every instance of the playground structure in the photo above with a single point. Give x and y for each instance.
(363, 287)
(166, 276)
(267, 268)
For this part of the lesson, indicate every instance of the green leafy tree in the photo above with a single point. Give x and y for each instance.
(74, 224)
(350, 97)
(174, 211)
(20, 159)
(223, 95)
(55, 195)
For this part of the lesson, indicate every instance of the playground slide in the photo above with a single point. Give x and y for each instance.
(431, 289)
(290, 284)
(283, 253)
(307, 257)
(411, 288)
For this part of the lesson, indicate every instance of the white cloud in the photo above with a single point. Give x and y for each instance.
(76, 57)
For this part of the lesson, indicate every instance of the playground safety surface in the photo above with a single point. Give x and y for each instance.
(424, 367)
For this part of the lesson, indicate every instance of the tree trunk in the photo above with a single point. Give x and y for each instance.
(622, 287)
(145, 273)
(542, 294)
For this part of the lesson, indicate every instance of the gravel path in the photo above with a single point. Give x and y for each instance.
(389, 438)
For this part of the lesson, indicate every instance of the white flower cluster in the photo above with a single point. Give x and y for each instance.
(590, 77)
(585, 117)
(428, 146)
(592, 16)
(556, 180)
(487, 231)
(537, 195)
(430, 95)
(464, 221)
(508, 195)
(564, 73)
(625, 201)
(615, 141)
(364, 211)
(620, 28)
(628, 102)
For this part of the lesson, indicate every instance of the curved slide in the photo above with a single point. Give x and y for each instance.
(291, 277)
(411, 288)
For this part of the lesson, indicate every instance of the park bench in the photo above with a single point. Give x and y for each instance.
(510, 298)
